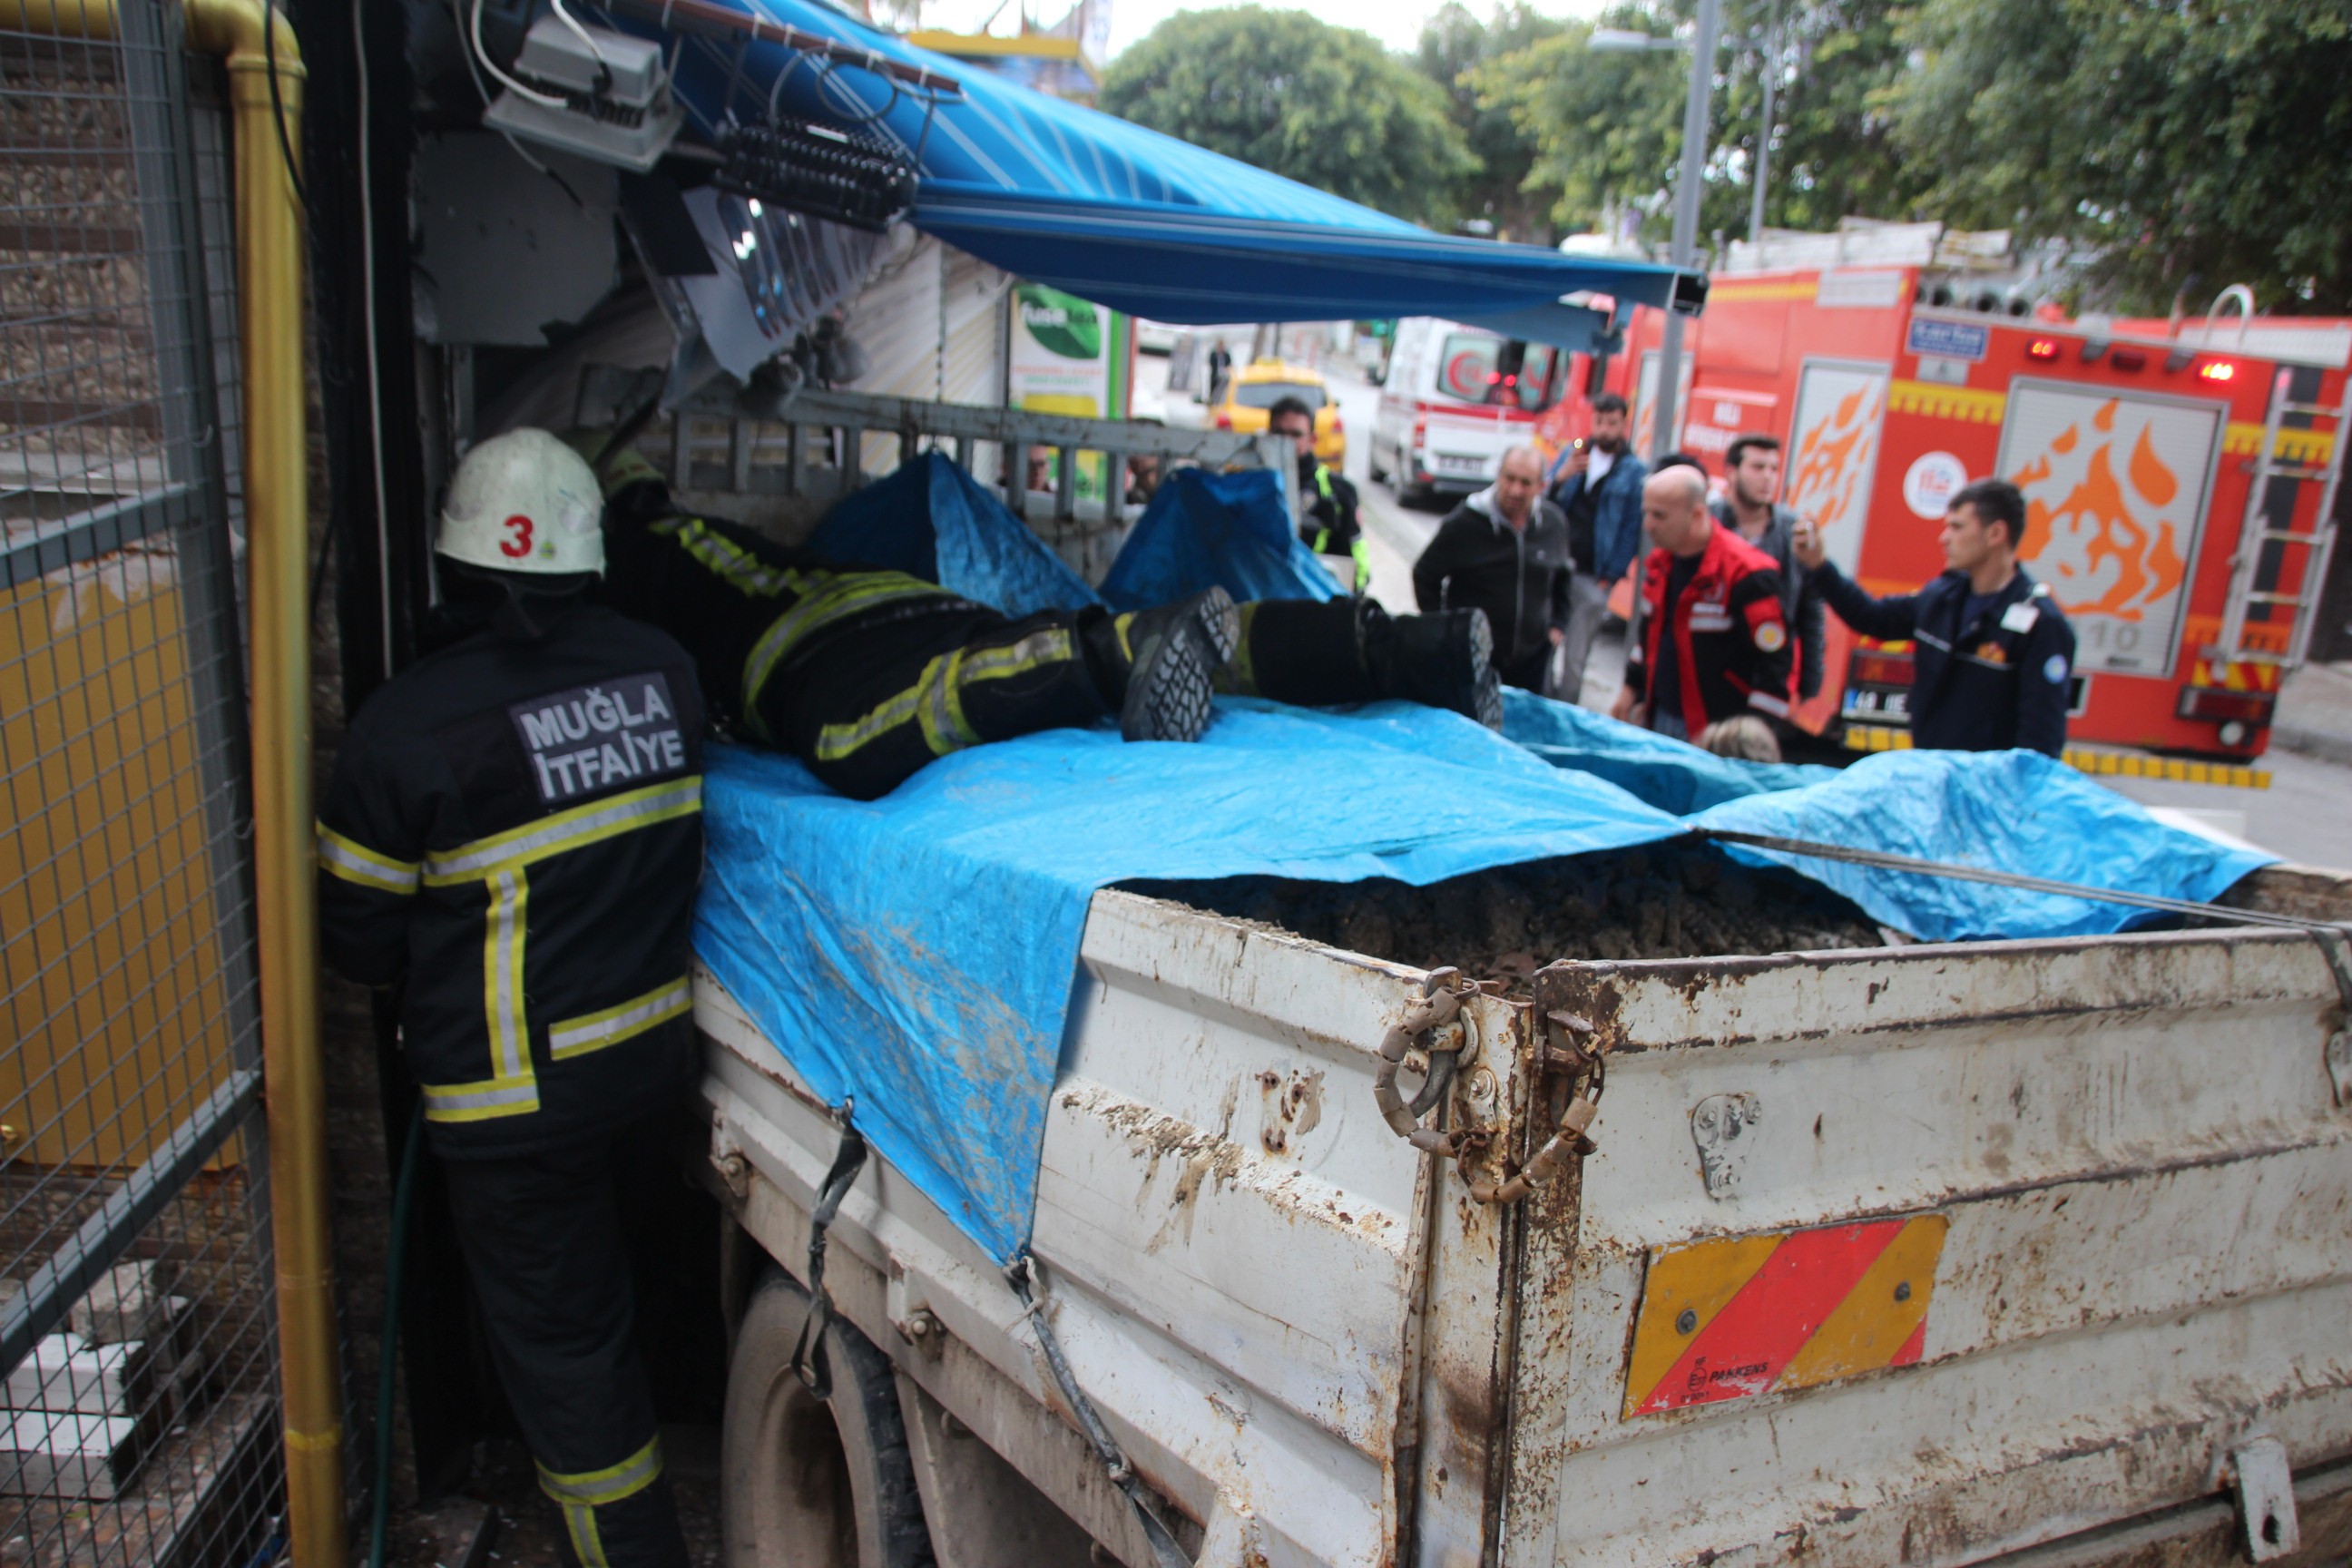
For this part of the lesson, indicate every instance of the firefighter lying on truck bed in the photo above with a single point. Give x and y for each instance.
(1993, 649)
(513, 830)
(1714, 643)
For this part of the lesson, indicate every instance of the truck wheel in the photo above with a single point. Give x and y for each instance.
(804, 1484)
(1372, 459)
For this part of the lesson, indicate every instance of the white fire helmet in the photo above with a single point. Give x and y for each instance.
(524, 502)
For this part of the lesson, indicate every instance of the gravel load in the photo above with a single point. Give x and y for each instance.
(1671, 900)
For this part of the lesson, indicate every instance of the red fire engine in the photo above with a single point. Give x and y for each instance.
(2178, 496)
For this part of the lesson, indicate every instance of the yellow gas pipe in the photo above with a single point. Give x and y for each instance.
(270, 309)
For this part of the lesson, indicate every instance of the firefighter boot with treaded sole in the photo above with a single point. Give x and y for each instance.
(1175, 653)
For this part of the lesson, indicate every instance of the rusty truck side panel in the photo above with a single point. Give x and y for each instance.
(2147, 1184)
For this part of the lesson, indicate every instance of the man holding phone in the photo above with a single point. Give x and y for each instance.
(1994, 654)
(1597, 482)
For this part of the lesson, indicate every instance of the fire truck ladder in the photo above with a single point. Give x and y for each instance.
(2260, 532)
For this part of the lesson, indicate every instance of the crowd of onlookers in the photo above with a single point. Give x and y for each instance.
(1728, 631)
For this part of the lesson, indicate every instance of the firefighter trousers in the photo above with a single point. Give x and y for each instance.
(545, 1244)
(873, 704)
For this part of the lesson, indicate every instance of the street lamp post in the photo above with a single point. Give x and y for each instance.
(1686, 242)
(1764, 131)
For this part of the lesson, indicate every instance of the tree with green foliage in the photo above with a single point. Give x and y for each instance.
(1607, 127)
(1322, 105)
(2190, 144)
(1454, 45)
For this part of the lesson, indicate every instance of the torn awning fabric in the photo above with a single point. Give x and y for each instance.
(1132, 219)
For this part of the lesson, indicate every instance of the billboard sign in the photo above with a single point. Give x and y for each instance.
(1068, 357)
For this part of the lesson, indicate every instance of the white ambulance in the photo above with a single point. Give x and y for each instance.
(1453, 399)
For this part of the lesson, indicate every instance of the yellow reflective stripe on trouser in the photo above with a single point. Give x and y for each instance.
(591, 1488)
(355, 862)
(845, 595)
(936, 699)
(733, 565)
(514, 1091)
(572, 829)
(593, 1032)
(581, 1495)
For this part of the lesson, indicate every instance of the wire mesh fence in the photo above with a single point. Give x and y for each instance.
(138, 1422)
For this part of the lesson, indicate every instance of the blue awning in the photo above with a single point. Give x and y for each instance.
(1140, 222)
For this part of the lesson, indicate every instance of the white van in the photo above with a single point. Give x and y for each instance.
(1453, 398)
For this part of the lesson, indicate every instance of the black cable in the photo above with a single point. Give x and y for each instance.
(277, 109)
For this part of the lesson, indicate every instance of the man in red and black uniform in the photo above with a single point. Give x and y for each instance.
(1715, 643)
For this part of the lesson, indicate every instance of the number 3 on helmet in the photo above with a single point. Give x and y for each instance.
(524, 502)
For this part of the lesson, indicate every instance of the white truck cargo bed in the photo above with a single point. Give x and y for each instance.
(2009, 1251)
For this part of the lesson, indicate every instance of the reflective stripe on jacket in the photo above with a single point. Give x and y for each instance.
(513, 833)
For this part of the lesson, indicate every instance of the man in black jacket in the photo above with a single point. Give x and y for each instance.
(1994, 654)
(1504, 551)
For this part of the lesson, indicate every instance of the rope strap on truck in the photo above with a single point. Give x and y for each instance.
(1022, 1275)
(810, 1363)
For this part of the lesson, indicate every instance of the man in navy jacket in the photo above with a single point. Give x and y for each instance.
(1597, 485)
(1994, 652)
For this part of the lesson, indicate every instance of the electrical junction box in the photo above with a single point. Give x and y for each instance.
(618, 106)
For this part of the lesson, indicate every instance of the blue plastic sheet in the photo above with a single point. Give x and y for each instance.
(918, 952)
(1204, 530)
(848, 929)
(1673, 775)
(2003, 811)
(932, 520)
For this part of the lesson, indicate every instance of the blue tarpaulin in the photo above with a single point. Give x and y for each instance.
(930, 519)
(2000, 811)
(849, 930)
(917, 953)
(1060, 193)
(1670, 774)
(1227, 531)
(933, 520)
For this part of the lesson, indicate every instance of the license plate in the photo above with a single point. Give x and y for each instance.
(1878, 702)
(1449, 462)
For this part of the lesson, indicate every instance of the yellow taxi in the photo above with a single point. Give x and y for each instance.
(1254, 388)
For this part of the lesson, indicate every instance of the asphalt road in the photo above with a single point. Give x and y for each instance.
(2305, 815)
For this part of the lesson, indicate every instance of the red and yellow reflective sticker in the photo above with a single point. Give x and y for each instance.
(1757, 1314)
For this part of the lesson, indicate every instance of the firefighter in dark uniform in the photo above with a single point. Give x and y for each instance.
(1714, 638)
(513, 835)
(866, 676)
(1993, 652)
(1331, 525)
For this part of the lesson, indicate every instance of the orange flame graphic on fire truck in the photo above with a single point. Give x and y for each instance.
(1833, 455)
(2102, 540)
